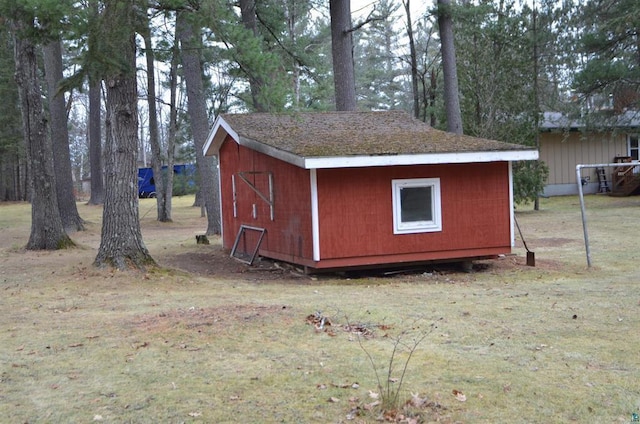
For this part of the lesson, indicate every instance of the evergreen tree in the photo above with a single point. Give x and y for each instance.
(47, 231)
(498, 73)
(58, 125)
(380, 76)
(610, 43)
(188, 32)
(12, 155)
(121, 244)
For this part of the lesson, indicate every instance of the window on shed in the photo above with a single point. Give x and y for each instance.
(416, 205)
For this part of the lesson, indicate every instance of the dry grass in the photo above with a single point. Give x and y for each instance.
(556, 343)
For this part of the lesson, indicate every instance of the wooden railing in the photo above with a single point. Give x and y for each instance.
(625, 181)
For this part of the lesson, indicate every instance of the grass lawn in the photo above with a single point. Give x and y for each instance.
(205, 339)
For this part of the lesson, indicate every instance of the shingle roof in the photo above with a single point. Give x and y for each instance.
(354, 133)
(560, 121)
(347, 135)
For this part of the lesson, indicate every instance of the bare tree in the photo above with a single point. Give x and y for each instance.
(413, 60)
(163, 199)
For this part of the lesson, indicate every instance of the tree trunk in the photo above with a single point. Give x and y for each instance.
(449, 68)
(197, 107)
(121, 244)
(536, 90)
(47, 231)
(342, 52)
(71, 219)
(95, 144)
(173, 117)
(164, 214)
(413, 61)
(95, 120)
(248, 16)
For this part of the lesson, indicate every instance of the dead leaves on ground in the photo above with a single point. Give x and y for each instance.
(413, 411)
(322, 323)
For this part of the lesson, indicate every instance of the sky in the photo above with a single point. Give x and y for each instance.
(361, 8)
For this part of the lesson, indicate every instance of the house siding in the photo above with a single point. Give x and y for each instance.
(563, 151)
(288, 236)
(356, 217)
(355, 211)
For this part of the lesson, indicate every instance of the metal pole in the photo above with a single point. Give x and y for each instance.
(584, 215)
(582, 207)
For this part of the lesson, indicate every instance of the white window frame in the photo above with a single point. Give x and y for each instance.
(411, 227)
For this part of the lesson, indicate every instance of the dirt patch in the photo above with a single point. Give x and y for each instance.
(216, 317)
(213, 260)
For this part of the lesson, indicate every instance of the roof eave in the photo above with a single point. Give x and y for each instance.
(219, 132)
(389, 160)
(420, 159)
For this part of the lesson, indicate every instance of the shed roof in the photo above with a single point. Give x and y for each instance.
(351, 139)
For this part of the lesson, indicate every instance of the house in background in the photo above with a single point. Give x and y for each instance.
(340, 190)
(565, 143)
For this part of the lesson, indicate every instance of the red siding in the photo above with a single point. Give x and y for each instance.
(356, 217)
(355, 211)
(288, 236)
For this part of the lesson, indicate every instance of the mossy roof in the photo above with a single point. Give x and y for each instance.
(343, 134)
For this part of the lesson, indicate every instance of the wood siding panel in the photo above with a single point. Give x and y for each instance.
(356, 217)
(289, 234)
(563, 151)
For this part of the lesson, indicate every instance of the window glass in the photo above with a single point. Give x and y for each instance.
(416, 205)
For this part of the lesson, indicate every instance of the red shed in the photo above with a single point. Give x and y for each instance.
(357, 189)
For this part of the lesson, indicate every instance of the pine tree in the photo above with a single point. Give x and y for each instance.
(47, 231)
(610, 41)
(121, 244)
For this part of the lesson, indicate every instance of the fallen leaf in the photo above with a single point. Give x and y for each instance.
(195, 414)
(321, 386)
(459, 395)
(234, 397)
(373, 395)
(370, 406)
(333, 399)
(341, 386)
(76, 345)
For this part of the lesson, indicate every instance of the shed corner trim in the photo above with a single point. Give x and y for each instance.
(217, 135)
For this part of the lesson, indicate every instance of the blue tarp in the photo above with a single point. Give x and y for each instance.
(146, 182)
